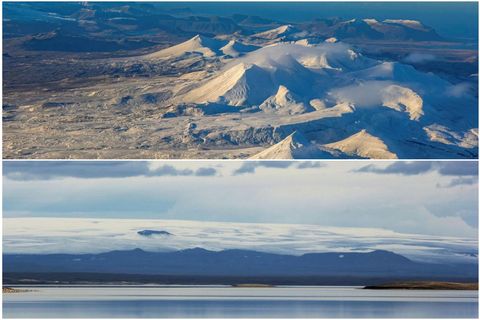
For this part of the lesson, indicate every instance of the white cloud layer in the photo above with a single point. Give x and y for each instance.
(57, 235)
(430, 198)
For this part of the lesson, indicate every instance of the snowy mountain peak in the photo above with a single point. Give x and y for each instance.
(240, 85)
(284, 102)
(277, 32)
(204, 46)
(235, 49)
(292, 147)
(363, 144)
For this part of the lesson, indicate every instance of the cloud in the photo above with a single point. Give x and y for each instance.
(168, 170)
(251, 166)
(457, 168)
(332, 196)
(93, 235)
(310, 164)
(365, 94)
(446, 168)
(460, 182)
(458, 90)
(48, 170)
(206, 172)
(419, 58)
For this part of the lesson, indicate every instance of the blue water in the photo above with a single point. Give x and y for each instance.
(229, 302)
(238, 309)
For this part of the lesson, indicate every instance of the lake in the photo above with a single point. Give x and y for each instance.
(231, 302)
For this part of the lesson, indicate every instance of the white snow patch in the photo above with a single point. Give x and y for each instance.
(413, 24)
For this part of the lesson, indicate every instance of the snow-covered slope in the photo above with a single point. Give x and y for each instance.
(235, 49)
(257, 76)
(243, 84)
(413, 24)
(294, 146)
(382, 93)
(285, 102)
(340, 101)
(276, 33)
(202, 45)
(364, 145)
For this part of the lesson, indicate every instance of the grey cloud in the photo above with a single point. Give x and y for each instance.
(419, 57)
(310, 164)
(458, 168)
(47, 170)
(205, 172)
(168, 170)
(251, 166)
(446, 168)
(460, 181)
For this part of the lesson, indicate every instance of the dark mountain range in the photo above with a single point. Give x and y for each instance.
(237, 263)
(111, 27)
(371, 29)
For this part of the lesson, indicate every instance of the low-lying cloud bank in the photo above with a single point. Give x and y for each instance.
(446, 168)
(49, 170)
(57, 235)
(40, 170)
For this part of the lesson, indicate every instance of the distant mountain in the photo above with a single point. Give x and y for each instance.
(201, 262)
(243, 19)
(142, 25)
(62, 41)
(372, 29)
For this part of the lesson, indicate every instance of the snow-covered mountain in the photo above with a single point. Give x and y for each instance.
(350, 88)
(280, 33)
(341, 102)
(204, 46)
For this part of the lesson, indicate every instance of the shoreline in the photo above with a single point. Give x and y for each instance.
(407, 285)
(10, 289)
(424, 285)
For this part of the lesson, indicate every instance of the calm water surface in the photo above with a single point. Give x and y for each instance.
(228, 302)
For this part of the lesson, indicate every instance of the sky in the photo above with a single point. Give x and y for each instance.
(438, 198)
